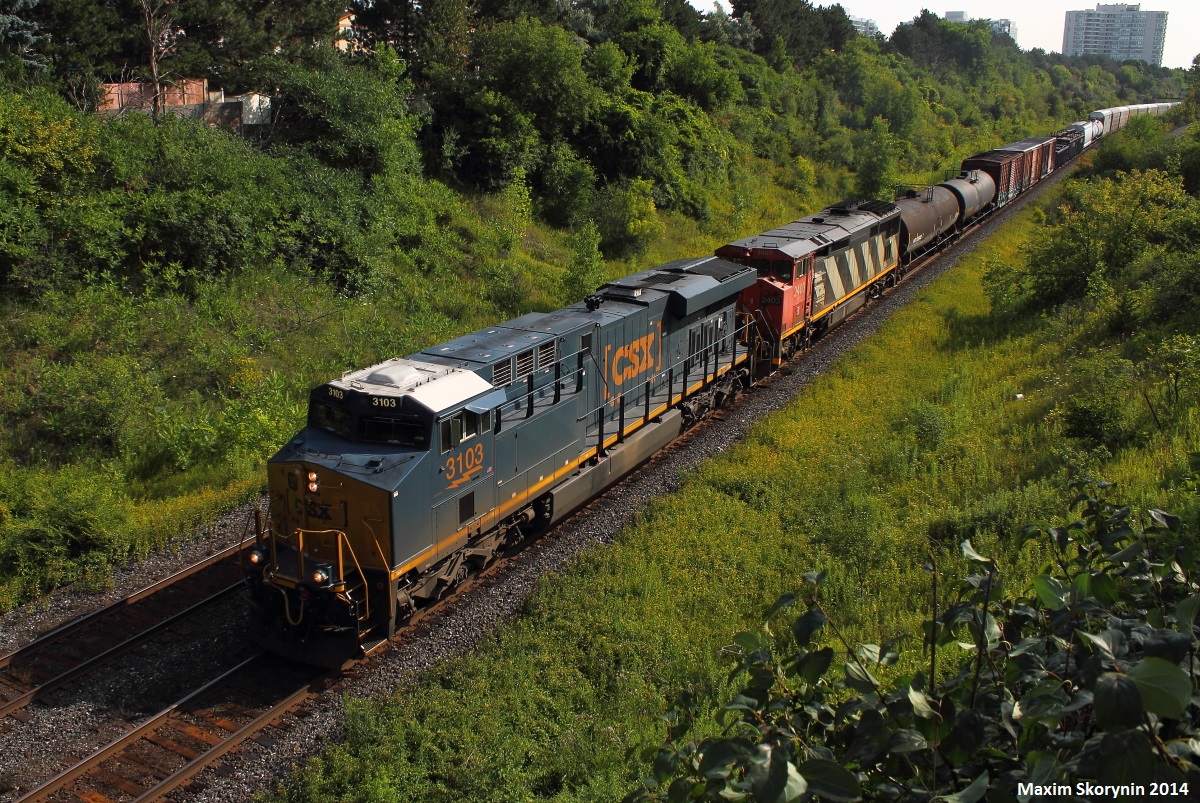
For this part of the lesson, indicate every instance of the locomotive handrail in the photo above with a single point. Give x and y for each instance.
(731, 341)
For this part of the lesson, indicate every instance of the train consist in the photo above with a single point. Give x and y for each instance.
(415, 473)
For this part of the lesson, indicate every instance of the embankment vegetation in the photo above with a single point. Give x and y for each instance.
(170, 291)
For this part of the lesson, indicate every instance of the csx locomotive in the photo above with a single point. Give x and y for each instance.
(414, 473)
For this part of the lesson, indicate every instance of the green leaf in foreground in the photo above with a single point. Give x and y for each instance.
(1050, 591)
(975, 791)
(1165, 687)
(830, 780)
(1117, 702)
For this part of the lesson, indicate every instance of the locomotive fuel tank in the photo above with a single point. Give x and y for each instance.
(974, 189)
(925, 216)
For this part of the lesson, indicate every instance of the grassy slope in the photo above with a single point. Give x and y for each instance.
(915, 439)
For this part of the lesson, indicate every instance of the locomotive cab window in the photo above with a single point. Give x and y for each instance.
(462, 427)
(397, 430)
(330, 418)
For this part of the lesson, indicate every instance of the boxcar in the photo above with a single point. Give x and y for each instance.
(1039, 158)
(1004, 168)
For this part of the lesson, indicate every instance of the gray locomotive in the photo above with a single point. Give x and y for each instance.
(413, 473)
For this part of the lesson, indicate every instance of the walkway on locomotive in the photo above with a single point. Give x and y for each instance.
(579, 380)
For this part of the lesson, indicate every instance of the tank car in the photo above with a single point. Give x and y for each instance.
(927, 216)
(815, 271)
(412, 473)
(975, 191)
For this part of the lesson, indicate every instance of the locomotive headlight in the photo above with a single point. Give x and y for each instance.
(257, 557)
(313, 482)
(321, 574)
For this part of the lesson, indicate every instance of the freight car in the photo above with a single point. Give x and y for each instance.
(414, 473)
(927, 217)
(1038, 153)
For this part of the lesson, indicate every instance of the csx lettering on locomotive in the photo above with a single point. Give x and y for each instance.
(633, 360)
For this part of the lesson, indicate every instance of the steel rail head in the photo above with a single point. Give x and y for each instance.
(114, 747)
(66, 628)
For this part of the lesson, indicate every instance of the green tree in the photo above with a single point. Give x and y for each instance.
(1191, 101)
(1105, 230)
(540, 69)
(946, 48)
(875, 165)
(806, 30)
(694, 73)
(350, 116)
(566, 185)
(585, 272)
(626, 218)
(20, 38)
(218, 39)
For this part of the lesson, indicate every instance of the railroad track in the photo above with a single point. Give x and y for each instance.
(84, 644)
(166, 750)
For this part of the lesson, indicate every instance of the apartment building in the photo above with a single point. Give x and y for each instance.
(1120, 31)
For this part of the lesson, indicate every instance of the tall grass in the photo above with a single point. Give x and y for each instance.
(940, 428)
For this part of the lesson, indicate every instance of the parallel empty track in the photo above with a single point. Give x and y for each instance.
(82, 645)
(164, 751)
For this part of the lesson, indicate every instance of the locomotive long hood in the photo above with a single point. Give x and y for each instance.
(382, 469)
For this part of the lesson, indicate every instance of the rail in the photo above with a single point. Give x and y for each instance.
(23, 666)
(187, 717)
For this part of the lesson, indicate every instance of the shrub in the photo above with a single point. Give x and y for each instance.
(625, 217)
(1088, 676)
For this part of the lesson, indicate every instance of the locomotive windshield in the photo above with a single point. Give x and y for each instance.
(402, 430)
(779, 268)
(331, 418)
(395, 430)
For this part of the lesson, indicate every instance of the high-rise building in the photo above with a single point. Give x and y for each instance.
(1004, 26)
(864, 27)
(1118, 31)
(999, 26)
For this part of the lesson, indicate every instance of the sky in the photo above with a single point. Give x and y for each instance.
(1039, 23)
